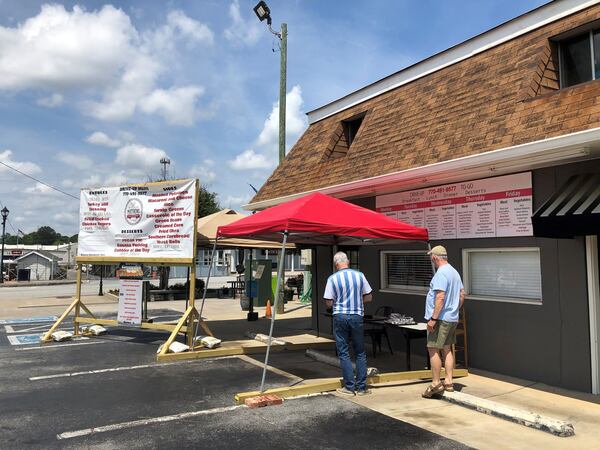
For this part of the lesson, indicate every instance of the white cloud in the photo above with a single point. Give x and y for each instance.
(203, 172)
(266, 151)
(189, 28)
(116, 179)
(26, 167)
(52, 101)
(58, 49)
(66, 217)
(40, 188)
(102, 55)
(295, 120)
(235, 201)
(81, 162)
(179, 26)
(93, 180)
(139, 157)
(120, 102)
(175, 105)
(100, 138)
(249, 159)
(241, 31)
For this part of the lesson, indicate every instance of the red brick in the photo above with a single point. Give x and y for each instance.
(263, 400)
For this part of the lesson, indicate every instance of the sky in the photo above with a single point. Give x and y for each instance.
(94, 94)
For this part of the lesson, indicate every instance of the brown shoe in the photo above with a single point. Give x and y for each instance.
(432, 390)
(449, 387)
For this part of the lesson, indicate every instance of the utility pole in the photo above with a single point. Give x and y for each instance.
(282, 91)
(263, 12)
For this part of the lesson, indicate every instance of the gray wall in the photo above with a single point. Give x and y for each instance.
(548, 343)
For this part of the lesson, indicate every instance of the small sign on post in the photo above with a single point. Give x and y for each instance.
(130, 302)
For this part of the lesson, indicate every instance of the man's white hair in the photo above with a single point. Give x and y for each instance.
(340, 258)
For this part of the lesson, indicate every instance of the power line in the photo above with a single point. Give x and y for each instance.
(39, 181)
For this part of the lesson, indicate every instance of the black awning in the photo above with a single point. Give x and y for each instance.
(573, 210)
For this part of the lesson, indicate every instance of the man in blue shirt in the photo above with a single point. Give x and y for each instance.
(346, 292)
(445, 298)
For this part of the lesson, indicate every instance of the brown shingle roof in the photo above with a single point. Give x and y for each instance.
(503, 97)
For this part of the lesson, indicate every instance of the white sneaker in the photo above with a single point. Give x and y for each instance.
(344, 391)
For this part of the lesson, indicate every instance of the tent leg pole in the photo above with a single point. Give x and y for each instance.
(212, 257)
(277, 299)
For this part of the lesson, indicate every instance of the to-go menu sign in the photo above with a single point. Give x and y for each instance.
(138, 223)
(492, 207)
(130, 302)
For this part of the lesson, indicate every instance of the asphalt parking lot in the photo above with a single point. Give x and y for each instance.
(109, 392)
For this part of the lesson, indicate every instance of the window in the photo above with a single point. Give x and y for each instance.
(351, 128)
(353, 255)
(580, 59)
(510, 274)
(408, 271)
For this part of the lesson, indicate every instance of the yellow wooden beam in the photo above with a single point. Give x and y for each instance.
(240, 350)
(327, 385)
(46, 337)
(138, 259)
(331, 384)
(176, 330)
(414, 374)
(145, 325)
(85, 308)
(78, 304)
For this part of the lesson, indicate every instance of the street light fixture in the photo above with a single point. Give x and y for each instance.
(4, 212)
(263, 12)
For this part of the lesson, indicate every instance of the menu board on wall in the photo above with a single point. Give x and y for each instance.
(491, 207)
(138, 223)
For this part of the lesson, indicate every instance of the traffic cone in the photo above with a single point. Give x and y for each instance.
(268, 312)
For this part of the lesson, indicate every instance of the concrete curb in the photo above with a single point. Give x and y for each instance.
(529, 419)
(334, 361)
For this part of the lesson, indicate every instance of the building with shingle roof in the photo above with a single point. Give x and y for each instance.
(470, 143)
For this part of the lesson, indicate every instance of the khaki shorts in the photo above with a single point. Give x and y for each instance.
(443, 334)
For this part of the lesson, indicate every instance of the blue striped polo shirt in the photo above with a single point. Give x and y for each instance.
(346, 288)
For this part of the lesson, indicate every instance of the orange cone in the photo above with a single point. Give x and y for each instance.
(268, 312)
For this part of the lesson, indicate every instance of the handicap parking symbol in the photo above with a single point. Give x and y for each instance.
(25, 339)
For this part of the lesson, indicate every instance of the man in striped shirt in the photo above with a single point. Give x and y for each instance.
(346, 292)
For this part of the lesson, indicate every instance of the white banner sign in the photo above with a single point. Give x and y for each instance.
(138, 222)
(130, 302)
(492, 207)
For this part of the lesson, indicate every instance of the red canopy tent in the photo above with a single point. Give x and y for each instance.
(317, 219)
(320, 219)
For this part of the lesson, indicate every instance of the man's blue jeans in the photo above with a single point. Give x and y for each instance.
(346, 328)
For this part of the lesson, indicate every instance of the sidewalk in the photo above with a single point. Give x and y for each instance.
(478, 430)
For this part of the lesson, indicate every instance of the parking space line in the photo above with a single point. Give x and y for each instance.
(47, 347)
(137, 423)
(9, 329)
(27, 320)
(275, 370)
(111, 369)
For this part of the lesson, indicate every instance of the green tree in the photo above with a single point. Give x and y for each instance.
(207, 202)
(46, 235)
